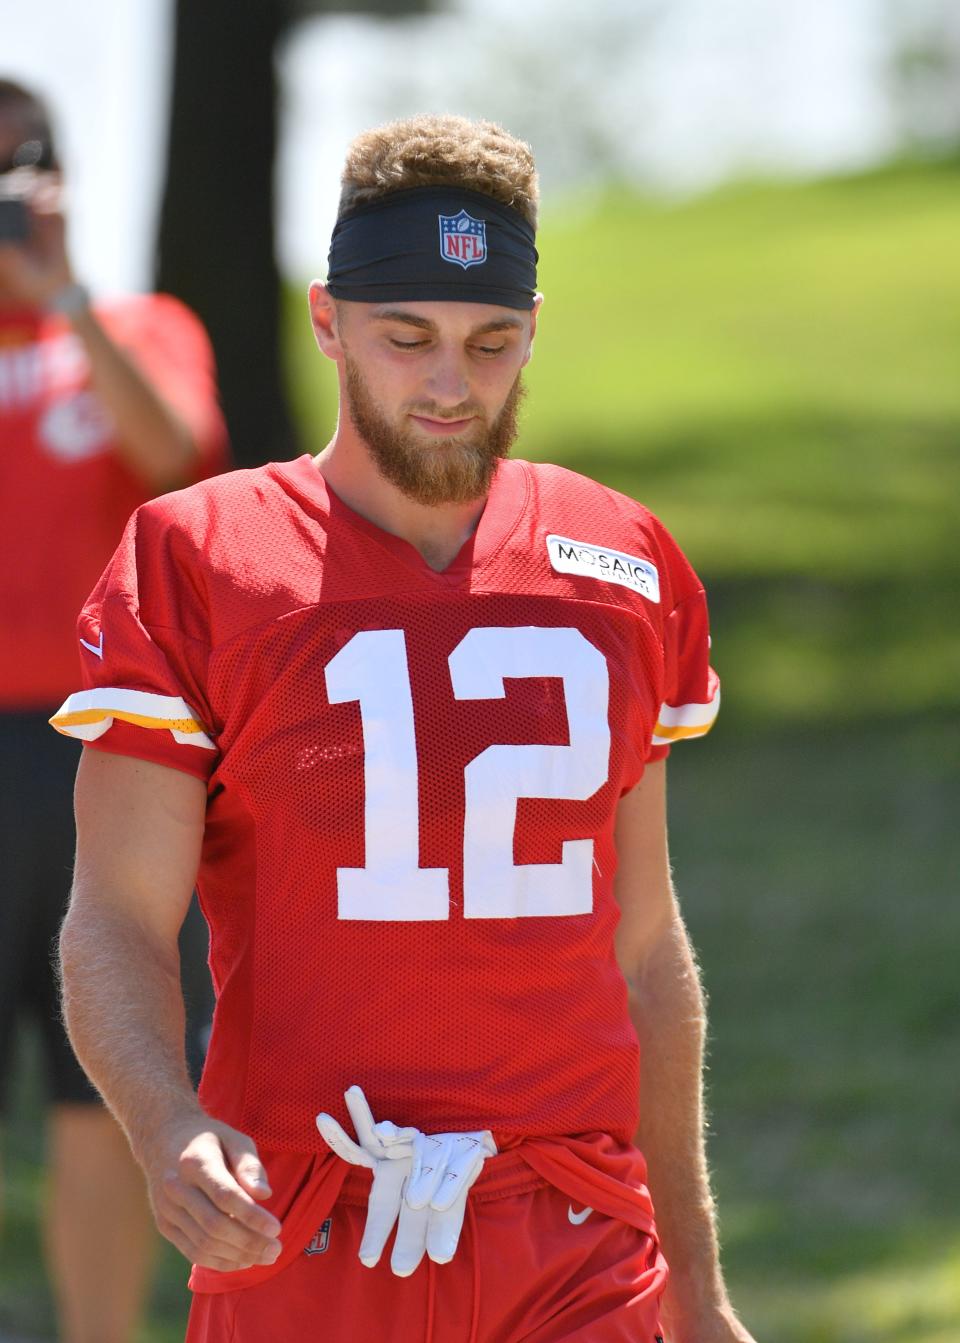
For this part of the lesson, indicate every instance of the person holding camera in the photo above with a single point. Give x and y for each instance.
(102, 407)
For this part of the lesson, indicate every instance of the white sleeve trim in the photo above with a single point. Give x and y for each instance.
(88, 714)
(680, 721)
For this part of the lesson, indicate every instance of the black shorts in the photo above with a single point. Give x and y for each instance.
(37, 769)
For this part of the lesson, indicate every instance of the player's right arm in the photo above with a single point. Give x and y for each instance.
(165, 419)
(139, 833)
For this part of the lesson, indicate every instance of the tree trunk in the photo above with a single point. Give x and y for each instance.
(216, 243)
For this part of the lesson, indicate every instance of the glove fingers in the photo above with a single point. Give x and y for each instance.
(338, 1141)
(421, 1179)
(463, 1166)
(411, 1241)
(362, 1117)
(383, 1206)
(380, 1140)
(394, 1138)
(443, 1229)
(431, 1153)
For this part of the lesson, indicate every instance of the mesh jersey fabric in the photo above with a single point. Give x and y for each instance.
(66, 494)
(458, 739)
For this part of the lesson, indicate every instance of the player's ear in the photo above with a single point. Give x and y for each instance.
(537, 301)
(325, 320)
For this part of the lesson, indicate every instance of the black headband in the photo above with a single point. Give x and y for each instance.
(434, 243)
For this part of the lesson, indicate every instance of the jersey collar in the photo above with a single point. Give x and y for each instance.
(505, 506)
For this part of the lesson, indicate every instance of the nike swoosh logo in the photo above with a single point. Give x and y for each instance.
(96, 649)
(578, 1217)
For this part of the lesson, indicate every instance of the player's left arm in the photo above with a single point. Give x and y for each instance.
(667, 1010)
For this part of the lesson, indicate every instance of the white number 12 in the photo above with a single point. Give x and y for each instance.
(372, 669)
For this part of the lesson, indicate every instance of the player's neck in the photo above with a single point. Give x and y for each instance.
(437, 531)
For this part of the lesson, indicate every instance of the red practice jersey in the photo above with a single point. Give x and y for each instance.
(413, 777)
(65, 493)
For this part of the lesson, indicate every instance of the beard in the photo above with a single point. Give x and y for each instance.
(450, 470)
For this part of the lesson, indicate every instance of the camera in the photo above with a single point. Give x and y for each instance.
(14, 220)
(14, 214)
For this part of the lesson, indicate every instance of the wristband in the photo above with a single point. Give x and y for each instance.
(70, 301)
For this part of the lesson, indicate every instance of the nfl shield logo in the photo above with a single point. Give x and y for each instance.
(320, 1240)
(463, 239)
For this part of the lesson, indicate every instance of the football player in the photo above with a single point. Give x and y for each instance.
(402, 710)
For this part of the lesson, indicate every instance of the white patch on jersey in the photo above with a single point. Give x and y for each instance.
(75, 427)
(590, 561)
(578, 1218)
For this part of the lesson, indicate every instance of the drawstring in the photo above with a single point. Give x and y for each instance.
(475, 1256)
(432, 1284)
(431, 1298)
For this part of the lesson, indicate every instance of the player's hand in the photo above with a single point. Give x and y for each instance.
(382, 1148)
(205, 1180)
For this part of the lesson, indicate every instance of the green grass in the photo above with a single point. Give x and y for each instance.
(832, 297)
(816, 869)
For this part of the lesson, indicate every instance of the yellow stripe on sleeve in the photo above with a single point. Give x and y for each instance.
(88, 714)
(681, 722)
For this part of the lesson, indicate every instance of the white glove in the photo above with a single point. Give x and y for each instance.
(445, 1165)
(422, 1178)
(384, 1149)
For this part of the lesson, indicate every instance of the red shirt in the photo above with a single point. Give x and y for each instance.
(413, 778)
(65, 493)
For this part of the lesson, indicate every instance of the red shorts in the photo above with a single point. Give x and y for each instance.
(524, 1270)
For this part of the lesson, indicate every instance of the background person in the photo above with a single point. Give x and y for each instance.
(101, 408)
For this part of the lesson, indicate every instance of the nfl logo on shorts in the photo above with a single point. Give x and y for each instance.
(463, 239)
(321, 1239)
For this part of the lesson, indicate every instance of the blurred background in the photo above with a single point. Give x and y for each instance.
(750, 242)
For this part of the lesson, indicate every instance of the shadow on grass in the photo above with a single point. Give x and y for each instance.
(798, 492)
